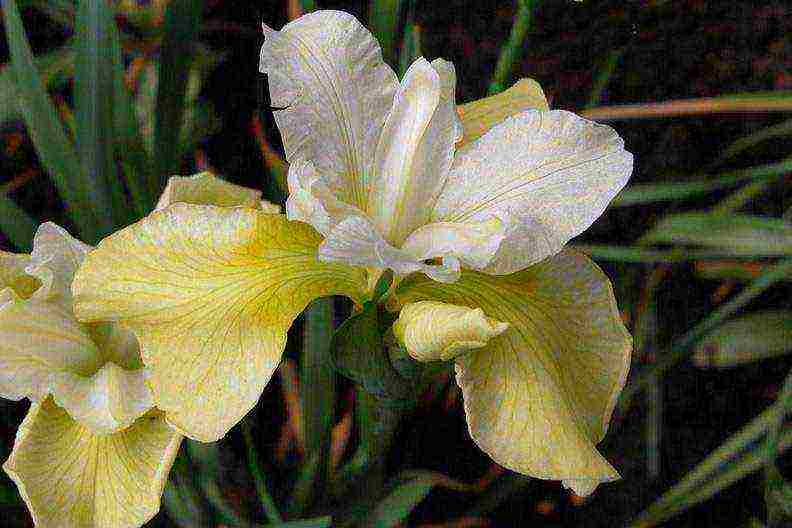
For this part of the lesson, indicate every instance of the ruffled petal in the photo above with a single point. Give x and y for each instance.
(207, 189)
(332, 92)
(433, 331)
(539, 397)
(415, 150)
(107, 402)
(13, 276)
(210, 293)
(55, 258)
(70, 477)
(553, 173)
(474, 244)
(479, 116)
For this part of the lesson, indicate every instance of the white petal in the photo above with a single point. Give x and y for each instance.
(55, 258)
(473, 243)
(415, 151)
(326, 73)
(553, 173)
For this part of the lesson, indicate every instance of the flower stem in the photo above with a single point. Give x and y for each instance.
(270, 508)
(513, 48)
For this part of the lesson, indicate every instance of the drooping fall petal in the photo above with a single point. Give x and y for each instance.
(332, 92)
(210, 293)
(539, 397)
(207, 189)
(549, 174)
(433, 331)
(479, 116)
(70, 477)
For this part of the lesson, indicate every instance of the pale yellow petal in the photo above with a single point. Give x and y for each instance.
(539, 397)
(72, 478)
(107, 402)
(475, 244)
(210, 293)
(550, 174)
(38, 338)
(207, 189)
(479, 116)
(433, 331)
(13, 276)
(55, 258)
(332, 92)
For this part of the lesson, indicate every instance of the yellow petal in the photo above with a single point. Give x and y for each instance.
(13, 276)
(107, 402)
(539, 397)
(207, 189)
(479, 116)
(432, 330)
(210, 293)
(38, 338)
(72, 478)
(55, 258)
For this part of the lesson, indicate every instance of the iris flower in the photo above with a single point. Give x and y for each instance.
(92, 450)
(469, 206)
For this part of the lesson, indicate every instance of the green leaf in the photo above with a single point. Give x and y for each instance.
(730, 462)
(733, 234)
(267, 503)
(662, 192)
(18, 226)
(401, 500)
(749, 338)
(56, 153)
(781, 129)
(94, 96)
(316, 522)
(182, 25)
(411, 46)
(512, 50)
(384, 20)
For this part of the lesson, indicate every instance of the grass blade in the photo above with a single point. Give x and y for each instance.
(752, 337)
(384, 22)
(267, 503)
(182, 25)
(56, 153)
(18, 226)
(513, 48)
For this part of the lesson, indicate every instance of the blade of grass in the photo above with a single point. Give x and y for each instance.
(411, 45)
(55, 151)
(384, 22)
(637, 254)
(181, 29)
(512, 50)
(603, 76)
(752, 337)
(18, 226)
(763, 102)
(94, 89)
(781, 129)
(661, 192)
(270, 509)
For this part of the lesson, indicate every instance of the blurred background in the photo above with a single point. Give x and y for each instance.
(699, 245)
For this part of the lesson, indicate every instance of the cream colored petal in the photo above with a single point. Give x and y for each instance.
(107, 402)
(55, 258)
(479, 116)
(210, 293)
(415, 150)
(333, 91)
(207, 189)
(13, 276)
(116, 344)
(553, 173)
(474, 243)
(72, 478)
(38, 338)
(433, 331)
(539, 397)
(355, 242)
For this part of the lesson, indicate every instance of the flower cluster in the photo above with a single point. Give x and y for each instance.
(173, 326)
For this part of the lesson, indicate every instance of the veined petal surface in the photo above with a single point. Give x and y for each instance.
(539, 397)
(433, 331)
(332, 92)
(107, 402)
(14, 278)
(553, 173)
(415, 150)
(479, 116)
(210, 293)
(70, 477)
(207, 189)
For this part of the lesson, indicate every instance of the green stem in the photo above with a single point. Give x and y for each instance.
(512, 50)
(270, 508)
(603, 77)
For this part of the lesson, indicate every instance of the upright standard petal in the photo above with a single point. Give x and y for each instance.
(205, 188)
(552, 173)
(539, 397)
(13, 277)
(332, 92)
(479, 116)
(433, 331)
(55, 258)
(71, 478)
(415, 150)
(210, 293)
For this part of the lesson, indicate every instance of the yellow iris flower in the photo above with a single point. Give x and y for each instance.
(470, 207)
(92, 450)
